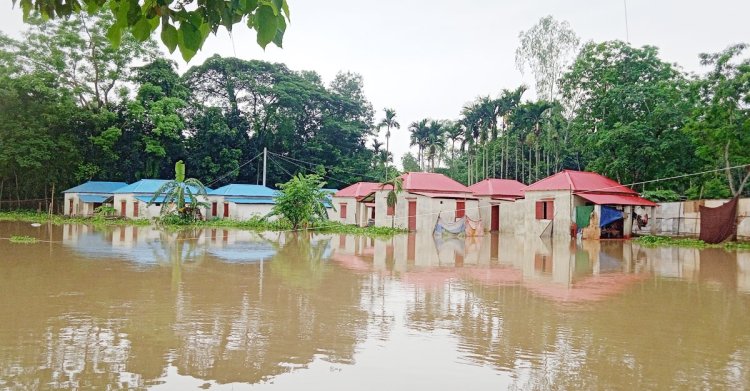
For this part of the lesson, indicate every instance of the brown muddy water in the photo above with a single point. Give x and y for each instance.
(135, 307)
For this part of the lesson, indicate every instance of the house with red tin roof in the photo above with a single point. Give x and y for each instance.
(425, 197)
(491, 193)
(570, 200)
(349, 206)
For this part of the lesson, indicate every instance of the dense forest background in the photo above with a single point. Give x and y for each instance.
(73, 108)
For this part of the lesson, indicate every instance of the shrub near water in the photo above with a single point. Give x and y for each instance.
(18, 239)
(657, 241)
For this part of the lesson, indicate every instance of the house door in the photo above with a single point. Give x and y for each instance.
(214, 209)
(412, 215)
(495, 218)
(135, 209)
(71, 208)
(123, 208)
(226, 209)
(460, 209)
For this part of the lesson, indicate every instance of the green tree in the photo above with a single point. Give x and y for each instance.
(185, 195)
(720, 125)
(388, 122)
(181, 26)
(395, 187)
(410, 162)
(435, 142)
(546, 48)
(301, 201)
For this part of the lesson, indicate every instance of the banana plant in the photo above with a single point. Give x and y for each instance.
(186, 194)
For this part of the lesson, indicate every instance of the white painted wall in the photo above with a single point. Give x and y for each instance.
(144, 211)
(80, 208)
(428, 210)
(236, 211)
(671, 216)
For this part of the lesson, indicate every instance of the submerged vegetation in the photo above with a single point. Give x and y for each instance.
(666, 241)
(19, 239)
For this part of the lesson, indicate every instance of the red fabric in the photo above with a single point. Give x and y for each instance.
(720, 223)
(498, 188)
(616, 199)
(580, 181)
(358, 190)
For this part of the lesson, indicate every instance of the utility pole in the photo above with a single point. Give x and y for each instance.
(265, 157)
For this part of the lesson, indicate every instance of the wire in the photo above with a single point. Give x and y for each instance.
(236, 169)
(307, 169)
(324, 166)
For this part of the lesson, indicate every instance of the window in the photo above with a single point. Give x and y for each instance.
(391, 211)
(545, 209)
(342, 210)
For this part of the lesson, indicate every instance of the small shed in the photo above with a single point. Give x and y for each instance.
(240, 201)
(493, 192)
(83, 199)
(132, 200)
(425, 197)
(349, 205)
(571, 200)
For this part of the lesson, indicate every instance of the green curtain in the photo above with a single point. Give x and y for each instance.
(583, 215)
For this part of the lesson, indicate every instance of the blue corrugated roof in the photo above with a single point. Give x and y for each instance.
(93, 198)
(97, 187)
(158, 200)
(249, 200)
(243, 190)
(147, 186)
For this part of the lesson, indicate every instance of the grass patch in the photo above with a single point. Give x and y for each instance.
(254, 224)
(18, 239)
(659, 241)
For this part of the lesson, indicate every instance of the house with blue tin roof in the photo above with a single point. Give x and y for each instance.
(239, 201)
(83, 199)
(132, 200)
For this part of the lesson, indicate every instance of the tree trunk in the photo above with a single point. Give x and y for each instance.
(18, 192)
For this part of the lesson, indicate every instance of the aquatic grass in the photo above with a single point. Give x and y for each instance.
(22, 239)
(659, 241)
(36, 217)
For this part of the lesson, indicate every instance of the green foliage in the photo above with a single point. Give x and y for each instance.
(301, 201)
(181, 198)
(410, 162)
(183, 27)
(22, 239)
(661, 195)
(104, 211)
(664, 241)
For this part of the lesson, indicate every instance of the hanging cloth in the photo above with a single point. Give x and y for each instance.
(720, 223)
(583, 215)
(474, 227)
(455, 227)
(609, 216)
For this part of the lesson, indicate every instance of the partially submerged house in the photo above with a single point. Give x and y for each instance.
(490, 194)
(132, 200)
(349, 206)
(240, 201)
(570, 200)
(425, 197)
(83, 199)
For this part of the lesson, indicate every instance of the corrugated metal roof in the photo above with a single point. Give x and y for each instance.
(616, 199)
(431, 182)
(243, 190)
(578, 181)
(358, 190)
(93, 198)
(257, 200)
(148, 186)
(97, 187)
(158, 200)
(498, 188)
(431, 194)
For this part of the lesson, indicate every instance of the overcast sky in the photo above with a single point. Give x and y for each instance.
(427, 58)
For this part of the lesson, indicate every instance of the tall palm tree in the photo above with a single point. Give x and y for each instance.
(396, 186)
(388, 122)
(435, 142)
(453, 132)
(179, 192)
(418, 137)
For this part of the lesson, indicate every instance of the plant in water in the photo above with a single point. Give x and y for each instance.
(184, 194)
(301, 201)
(104, 211)
(397, 185)
(19, 239)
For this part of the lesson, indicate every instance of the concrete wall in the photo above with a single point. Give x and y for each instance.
(683, 218)
(143, 210)
(236, 211)
(428, 210)
(564, 208)
(508, 213)
(353, 210)
(80, 208)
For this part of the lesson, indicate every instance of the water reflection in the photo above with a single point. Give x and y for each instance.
(136, 307)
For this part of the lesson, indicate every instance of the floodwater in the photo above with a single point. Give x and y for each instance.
(135, 307)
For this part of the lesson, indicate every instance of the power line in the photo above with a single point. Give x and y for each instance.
(324, 166)
(232, 171)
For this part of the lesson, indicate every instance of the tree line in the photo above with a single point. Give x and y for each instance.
(74, 108)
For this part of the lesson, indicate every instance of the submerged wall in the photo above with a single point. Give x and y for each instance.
(683, 218)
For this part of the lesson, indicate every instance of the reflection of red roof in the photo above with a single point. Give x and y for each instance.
(350, 261)
(358, 190)
(498, 188)
(616, 199)
(592, 288)
(579, 181)
(431, 182)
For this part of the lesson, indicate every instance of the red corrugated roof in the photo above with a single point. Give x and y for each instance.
(358, 190)
(431, 182)
(580, 181)
(616, 199)
(435, 194)
(498, 188)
